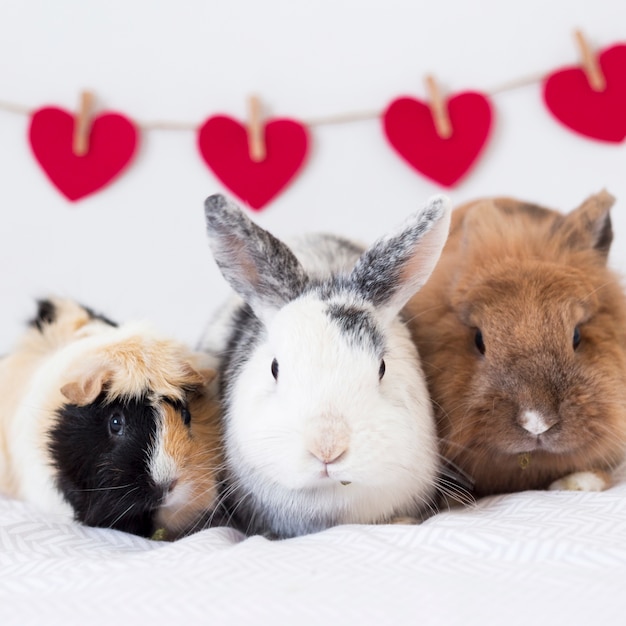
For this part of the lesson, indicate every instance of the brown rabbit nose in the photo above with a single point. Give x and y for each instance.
(535, 423)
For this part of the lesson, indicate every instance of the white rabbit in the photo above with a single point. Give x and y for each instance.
(327, 416)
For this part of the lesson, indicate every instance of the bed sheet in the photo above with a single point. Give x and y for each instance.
(526, 558)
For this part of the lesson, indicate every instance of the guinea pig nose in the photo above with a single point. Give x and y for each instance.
(535, 423)
(171, 486)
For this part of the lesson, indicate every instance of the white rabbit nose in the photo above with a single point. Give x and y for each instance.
(328, 454)
(535, 423)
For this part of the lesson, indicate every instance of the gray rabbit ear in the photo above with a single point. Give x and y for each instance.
(395, 267)
(259, 267)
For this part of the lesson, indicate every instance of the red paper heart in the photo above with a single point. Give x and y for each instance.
(410, 129)
(597, 114)
(112, 143)
(223, 144)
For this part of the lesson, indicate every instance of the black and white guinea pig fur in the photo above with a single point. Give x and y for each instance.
(114, 426)
(327, 419)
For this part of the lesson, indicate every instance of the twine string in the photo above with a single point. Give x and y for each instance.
(339, 118)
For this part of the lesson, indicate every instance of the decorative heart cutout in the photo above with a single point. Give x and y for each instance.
(223, 144)
(113, 140)
(596, 114)
(410, 129)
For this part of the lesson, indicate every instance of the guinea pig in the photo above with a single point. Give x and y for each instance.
(522, 333)
(114, 426)
(327, 418)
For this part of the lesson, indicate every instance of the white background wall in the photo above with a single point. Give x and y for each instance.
(138, 248)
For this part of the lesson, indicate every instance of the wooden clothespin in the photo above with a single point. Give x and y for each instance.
(591, 67)
(256, 130)
(82, 124)
(438, 108)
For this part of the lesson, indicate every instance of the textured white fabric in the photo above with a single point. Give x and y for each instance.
(528, 558)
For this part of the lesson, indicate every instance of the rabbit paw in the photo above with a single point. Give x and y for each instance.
(581, 481)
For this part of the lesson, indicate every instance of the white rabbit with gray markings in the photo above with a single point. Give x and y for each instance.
(327, 416)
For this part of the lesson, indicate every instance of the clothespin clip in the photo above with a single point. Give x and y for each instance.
(438, 108)
(82, 124)
(256, 130)
(591, 67)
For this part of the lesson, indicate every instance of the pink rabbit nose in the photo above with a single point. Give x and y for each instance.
(328, 455)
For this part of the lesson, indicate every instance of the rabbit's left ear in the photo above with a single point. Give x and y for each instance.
(395, 267)
(259, 267)
(589, 226)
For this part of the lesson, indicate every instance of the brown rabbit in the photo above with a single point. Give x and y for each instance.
(522, 334)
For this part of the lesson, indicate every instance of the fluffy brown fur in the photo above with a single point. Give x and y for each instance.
(527, 277)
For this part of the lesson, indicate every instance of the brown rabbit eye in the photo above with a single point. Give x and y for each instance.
(117, 424)
(275, 369)
(478, 340)
(382, 369)
(576, 341)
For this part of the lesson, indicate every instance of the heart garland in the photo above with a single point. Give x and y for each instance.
(410, 128)
(113, 140)
(408, 125)
(596, 114)
(223, 144)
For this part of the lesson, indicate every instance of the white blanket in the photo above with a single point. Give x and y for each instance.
(528, 558)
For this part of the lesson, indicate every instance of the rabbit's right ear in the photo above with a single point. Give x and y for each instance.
(589, 226)
(259, 267)
(396, 267)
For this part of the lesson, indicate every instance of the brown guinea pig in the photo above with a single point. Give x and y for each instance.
(522, 334)
(115, 426)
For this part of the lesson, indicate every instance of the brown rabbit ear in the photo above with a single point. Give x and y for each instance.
(481, 226)
(589, 226)
(87, 388)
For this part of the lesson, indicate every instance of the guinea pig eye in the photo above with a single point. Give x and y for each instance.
(576, 340)
(117, 424)
(478, 340)
(381, 370)
(275, 369)
(186, 415)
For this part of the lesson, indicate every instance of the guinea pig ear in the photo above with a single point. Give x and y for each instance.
(208, 374)
(589, 226)
(85, 388)
(395, 267)
(200, 376)
(259, 267)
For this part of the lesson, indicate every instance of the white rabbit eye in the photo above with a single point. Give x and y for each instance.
(478, 340)
(576, 341)
(382, 369)
(275, 369)
(117, 424)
